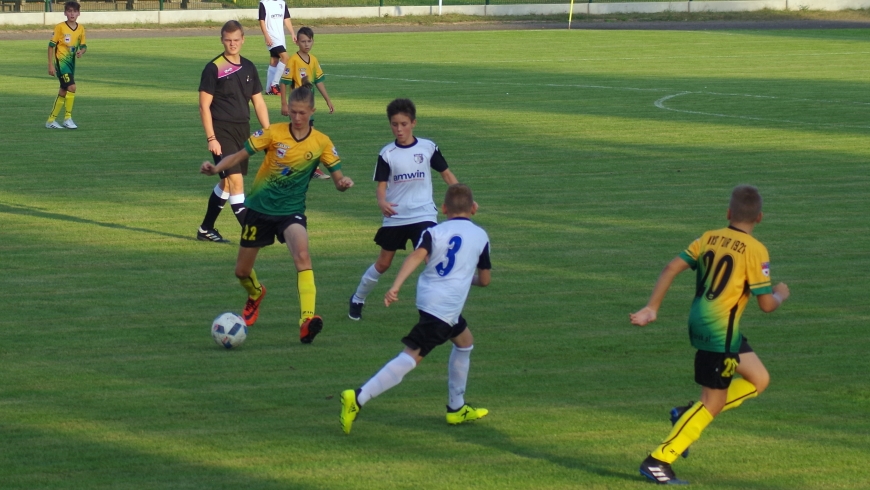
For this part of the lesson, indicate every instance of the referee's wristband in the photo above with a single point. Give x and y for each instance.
(211, 138)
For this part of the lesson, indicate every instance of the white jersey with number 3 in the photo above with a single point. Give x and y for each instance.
(458, 247)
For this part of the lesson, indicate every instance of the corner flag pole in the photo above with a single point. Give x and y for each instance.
(570, 14)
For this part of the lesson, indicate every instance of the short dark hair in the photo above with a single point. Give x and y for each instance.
(232, 26)
(306, 31)
(745, 204)
(459, 199)
(72, 6)
(402, 106)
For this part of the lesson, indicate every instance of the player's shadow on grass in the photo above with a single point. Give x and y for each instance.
(481, 434)
(31, 211)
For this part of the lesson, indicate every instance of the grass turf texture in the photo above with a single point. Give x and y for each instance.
(587, 188)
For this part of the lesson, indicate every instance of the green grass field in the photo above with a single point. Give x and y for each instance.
(596, 156)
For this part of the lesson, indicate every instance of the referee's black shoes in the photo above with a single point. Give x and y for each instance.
(210, 236)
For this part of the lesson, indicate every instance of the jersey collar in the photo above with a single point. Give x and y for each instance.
(409, 146)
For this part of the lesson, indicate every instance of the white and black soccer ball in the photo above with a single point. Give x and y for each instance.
(229, 330)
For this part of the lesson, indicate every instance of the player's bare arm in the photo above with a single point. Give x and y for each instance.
(265, 33)
(289, 25)
(412, 261)
(80, 52)
(481, 279)
(386, 206)
(322, 89)
(261, 109)
(205, 100)
(649, 313)
(770, 302)
(210, 169)
(449, 178)
(342, 183)
(51, 61)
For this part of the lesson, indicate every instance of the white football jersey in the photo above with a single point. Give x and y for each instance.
(457, 248)
(407, 170)
(275, 11)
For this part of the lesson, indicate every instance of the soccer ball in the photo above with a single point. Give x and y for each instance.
(229, 330)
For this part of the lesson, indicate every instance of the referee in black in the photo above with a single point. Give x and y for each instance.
(228, 83)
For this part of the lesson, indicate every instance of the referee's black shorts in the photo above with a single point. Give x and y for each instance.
(232, 137)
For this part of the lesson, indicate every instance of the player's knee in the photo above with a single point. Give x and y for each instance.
(463, 340)
(383, 264)
(302, 260)
(761, 381)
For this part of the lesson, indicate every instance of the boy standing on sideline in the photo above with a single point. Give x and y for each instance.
(66, 45)
(404, 194)
(228, 83)
(453, 250)
(303, 67)
(277, 203)
(730, 265)
(274, 17)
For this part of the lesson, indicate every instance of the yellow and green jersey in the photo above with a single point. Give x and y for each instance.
(282, 181)
(66, 42)
(730, 265)
(298, 70)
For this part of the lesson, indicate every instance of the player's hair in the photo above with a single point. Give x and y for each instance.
(459, 199)
(402, 106)
(306, 31)
(72, 6)
(745, 204)
(303, 93)
(230, 27)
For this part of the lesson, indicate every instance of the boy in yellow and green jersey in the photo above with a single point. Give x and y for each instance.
(302, 68)
(67, 43)
(730, 265)
(276, 203)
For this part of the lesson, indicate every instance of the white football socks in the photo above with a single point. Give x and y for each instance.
(457, 376)
(220, 192)
(366, 284)
(389, 376)
(270, 74)
(279, 71)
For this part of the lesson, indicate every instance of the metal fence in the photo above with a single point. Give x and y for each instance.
(113, 5)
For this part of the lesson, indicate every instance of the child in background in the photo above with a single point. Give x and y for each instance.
(67, 44)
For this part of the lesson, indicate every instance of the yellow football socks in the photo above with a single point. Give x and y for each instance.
(58, 104)
(686, 431)
(307, 293)
(70, 100)
(739, 391)
(252, 285)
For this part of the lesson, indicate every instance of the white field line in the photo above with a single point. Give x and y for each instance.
(660, 103)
